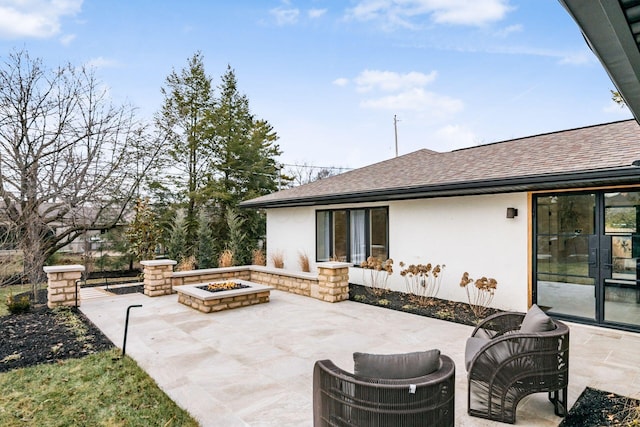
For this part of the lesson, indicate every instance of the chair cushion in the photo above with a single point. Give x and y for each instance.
(474, 344)
(536, 320)
(396, 366)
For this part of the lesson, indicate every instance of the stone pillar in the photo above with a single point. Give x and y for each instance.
(61, 286)
(157, 277)
(333, 282)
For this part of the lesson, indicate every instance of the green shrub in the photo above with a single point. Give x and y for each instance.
(18, 305)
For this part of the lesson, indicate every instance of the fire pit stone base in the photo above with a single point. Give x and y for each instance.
(209, 302)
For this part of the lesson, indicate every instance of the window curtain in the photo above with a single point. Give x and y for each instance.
(357, 237)
(323, 236)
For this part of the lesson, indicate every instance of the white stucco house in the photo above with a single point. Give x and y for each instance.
(554, 218)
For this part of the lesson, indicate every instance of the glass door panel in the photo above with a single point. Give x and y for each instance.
(621, 269)
(565, 225)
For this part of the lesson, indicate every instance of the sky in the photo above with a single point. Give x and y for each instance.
(338, 80)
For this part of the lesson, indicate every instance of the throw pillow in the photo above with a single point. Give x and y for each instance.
(396, 366)
(536, 320)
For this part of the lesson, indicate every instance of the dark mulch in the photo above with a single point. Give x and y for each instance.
(42, 335)
(126, 290)
(593, 408)
(452, 311)
(600, 408)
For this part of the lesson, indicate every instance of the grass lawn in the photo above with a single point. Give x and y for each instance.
(101, 389)
(98, 390)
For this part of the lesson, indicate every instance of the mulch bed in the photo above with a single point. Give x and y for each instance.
(600, 408)
(42, 335)
(452, 311)
(126, 290)
(593, 408)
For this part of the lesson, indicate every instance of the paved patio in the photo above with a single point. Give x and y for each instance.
(252, 366)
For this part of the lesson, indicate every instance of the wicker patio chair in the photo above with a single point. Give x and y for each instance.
(506, 363)
(341, 398)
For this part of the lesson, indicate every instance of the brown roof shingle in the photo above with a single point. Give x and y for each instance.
(585, 156)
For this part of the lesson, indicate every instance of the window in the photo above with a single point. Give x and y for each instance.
(352, 235)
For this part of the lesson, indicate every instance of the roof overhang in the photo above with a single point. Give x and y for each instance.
(587, 179)
(612, 30)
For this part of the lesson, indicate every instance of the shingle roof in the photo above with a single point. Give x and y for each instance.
(594, 155)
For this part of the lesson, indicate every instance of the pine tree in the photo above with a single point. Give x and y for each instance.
(176, 246)
(206, 251)
(244, 167)
(188, 102)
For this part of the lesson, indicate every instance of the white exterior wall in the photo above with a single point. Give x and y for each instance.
(291, 231)
(469, 233)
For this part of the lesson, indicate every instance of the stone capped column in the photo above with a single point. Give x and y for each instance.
(333, 282)
(157, 277)
(61, 285)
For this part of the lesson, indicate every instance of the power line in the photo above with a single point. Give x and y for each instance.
(315, 167)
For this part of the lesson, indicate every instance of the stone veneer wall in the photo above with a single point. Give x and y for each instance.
(219, 304)
(192, 277)
(61, 286)
(157, 277)
(331, 284)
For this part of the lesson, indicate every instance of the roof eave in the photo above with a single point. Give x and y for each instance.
(605, 177)
(606, 30)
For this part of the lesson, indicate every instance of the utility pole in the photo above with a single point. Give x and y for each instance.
(395, 130)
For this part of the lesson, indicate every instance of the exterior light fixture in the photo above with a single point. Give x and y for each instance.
(512, 212)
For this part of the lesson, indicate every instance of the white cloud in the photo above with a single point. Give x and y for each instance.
(578, 58)
(403, 13)
(101, 62)
(67, 39)
(341, 81)
(285, 16)
(34, 18)
(389, 81)
(453, 137)
(416, 99)
(504, 32)
(388, 90)
(464, 12)
(316, 13)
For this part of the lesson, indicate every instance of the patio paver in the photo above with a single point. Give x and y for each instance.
(253, 366)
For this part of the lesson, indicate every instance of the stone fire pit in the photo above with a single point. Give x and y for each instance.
(215, 296)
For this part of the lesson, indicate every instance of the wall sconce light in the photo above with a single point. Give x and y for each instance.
(512, 212)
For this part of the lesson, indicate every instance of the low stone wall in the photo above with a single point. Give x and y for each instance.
(191, 277)
(293, 282)
(331, 284)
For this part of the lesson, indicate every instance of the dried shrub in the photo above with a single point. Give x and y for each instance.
(18, 305)
(277, 258)
(375, 274)
(303, 261)
(422, 281)
(258, 258)
(480, 294)
(187, 264)
(226, 258)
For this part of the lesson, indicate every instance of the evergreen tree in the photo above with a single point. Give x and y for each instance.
(206, 251)
(244, 163)
(176, 245)
(143, 234)
(188, 102)
(237, 238)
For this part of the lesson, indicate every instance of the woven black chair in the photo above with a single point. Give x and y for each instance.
(341, 398)
(506, 363)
